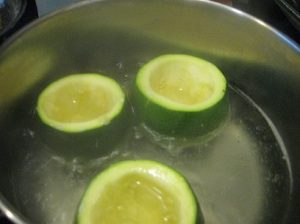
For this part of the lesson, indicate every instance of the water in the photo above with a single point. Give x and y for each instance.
(239, 176)
(240, 173)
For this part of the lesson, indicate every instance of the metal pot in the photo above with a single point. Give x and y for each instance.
(10, 13)
(247, 173)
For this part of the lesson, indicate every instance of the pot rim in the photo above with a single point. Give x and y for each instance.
(5, 207)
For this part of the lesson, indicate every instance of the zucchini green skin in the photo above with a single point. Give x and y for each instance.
(85, 145)
(179, 123)
(198, 216)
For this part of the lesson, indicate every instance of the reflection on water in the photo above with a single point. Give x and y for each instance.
(239, 176)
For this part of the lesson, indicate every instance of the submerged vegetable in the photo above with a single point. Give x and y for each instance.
(81, 102)
(80, 112)
(140, 191)
(181, 95)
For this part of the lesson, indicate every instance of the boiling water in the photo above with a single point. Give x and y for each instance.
(240, 175)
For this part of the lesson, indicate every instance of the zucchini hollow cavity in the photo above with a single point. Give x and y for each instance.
(181, 95)
(79, 114)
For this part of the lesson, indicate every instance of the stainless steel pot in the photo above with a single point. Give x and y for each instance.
(249, 172)
(10, 13)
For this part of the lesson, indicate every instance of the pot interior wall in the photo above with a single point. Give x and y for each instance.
(116, 38)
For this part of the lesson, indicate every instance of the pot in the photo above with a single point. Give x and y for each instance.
(11, 12)
(292, 10)
(248, 172)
